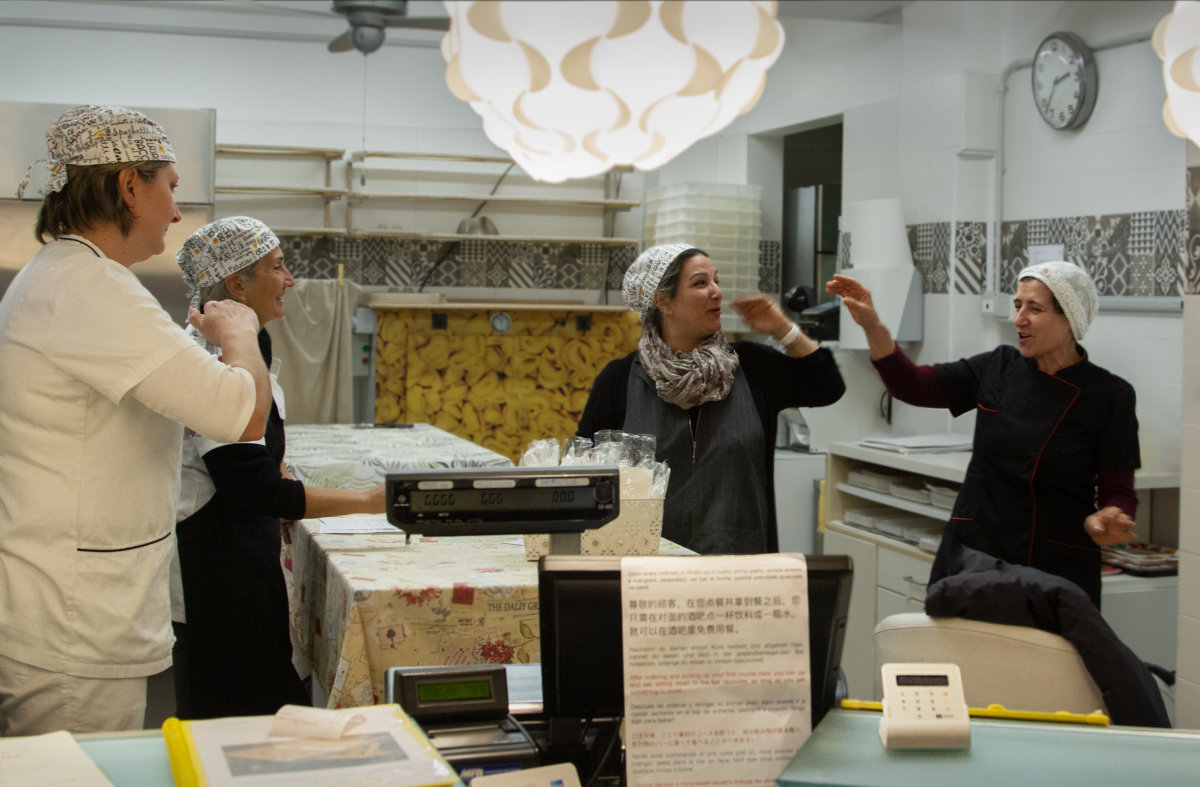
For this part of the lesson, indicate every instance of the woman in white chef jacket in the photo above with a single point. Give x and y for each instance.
(97, 382)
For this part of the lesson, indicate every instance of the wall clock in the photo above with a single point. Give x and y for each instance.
(1065, 81)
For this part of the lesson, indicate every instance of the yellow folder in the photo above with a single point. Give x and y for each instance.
(236, 750)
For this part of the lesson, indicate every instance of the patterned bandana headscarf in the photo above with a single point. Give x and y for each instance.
(1073, 289)
(89, 135)
(221, 248)
(643, 276)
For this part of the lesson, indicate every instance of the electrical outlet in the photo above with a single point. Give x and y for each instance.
(995, 304)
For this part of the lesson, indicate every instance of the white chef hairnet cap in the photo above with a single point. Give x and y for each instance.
(89, 135)
(221, 248)
(1072, 287)
(643, 276)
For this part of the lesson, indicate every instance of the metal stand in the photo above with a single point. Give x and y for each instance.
(564, 544)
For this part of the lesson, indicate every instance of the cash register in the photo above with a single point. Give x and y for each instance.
(469, 712)
(478, 717)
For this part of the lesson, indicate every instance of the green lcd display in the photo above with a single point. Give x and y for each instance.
(455, 691)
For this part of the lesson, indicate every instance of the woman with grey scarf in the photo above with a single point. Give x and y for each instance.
(712, 405)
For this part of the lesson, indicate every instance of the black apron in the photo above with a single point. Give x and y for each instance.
(716, 499)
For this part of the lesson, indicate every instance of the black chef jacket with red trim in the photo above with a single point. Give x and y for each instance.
(1040, 440)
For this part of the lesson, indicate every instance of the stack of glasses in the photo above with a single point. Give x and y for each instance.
(723, 219)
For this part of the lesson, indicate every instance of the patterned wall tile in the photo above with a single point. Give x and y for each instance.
(970, 256)
(769, 262)
(936, 268)
(1014, 251)
(1037, 232)
(1191, 250)
(1141, 275)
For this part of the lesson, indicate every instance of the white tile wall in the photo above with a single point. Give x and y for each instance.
(915, 102)
(979, 110)
(1189, 591)
(869, 135)
(972, 189)
(1187, 703)
(1189, 511)
(1189, 640)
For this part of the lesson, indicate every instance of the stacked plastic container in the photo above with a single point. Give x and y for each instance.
(723, 219)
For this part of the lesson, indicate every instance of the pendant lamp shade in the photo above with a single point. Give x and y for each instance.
(1177, 41)
(572, 89)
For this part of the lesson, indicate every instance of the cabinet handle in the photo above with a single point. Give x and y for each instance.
(912, 581)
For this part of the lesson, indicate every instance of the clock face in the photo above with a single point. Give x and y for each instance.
(1064, 81)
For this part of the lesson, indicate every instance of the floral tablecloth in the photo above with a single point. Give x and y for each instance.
(364, 602)
(355, 457)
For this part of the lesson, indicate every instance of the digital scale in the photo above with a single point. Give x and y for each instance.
(464, 711)
(488, 501)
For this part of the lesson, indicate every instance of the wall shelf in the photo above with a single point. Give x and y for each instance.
(608, 204)
(328, 193)
(453, 236)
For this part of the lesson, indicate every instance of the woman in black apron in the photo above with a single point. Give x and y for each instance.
(711, 405)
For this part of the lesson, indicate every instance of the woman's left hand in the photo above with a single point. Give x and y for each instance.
(763, 315)
(1110, 526)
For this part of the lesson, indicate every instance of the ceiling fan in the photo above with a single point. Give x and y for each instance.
(369, 19)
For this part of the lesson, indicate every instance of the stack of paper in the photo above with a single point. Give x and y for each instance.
(919, 444)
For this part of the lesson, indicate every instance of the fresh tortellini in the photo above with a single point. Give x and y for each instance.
(497, 390)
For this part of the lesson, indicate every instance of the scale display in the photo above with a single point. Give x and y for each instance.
(503, 501)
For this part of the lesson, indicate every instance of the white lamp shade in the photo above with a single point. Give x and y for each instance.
(1177, 42)
(572, 89)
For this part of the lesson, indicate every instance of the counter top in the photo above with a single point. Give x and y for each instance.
(952, 466)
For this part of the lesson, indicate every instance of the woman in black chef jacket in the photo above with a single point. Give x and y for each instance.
(1050, 479)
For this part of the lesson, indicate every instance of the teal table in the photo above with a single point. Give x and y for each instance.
(845, 750)
(130, 759)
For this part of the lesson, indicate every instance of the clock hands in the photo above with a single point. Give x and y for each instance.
(1053, 85)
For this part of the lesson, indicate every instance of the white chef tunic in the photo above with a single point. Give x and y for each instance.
(88, 473)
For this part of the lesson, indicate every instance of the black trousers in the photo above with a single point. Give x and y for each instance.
(233, 657)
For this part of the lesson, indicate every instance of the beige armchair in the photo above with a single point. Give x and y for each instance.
(1018, 667)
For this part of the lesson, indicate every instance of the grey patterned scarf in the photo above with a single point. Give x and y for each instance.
(688, 379)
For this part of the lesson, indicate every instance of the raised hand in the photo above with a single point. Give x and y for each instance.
(856, 297)
(763, 315)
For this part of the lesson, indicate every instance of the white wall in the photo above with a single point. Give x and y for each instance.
(920, 124)
(912, 96)
(919, 107)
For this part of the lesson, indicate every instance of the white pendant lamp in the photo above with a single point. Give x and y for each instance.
(1177, 41)
(572, 89)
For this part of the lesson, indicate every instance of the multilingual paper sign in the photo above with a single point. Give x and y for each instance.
(716, 656)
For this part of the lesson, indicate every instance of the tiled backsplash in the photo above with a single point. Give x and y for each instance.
(1153, 253)
(405, 262)
(1127, 254)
